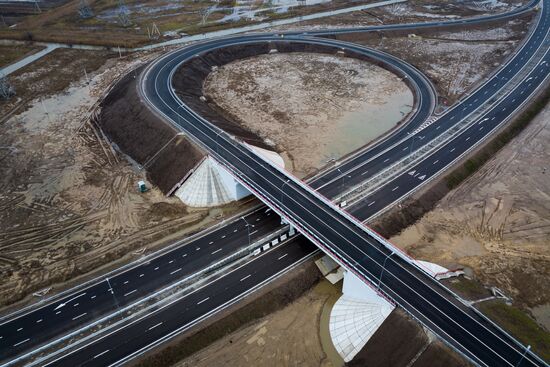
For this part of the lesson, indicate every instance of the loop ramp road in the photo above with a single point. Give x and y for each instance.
(337, 233)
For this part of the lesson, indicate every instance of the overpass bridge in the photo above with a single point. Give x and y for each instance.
(354, 246)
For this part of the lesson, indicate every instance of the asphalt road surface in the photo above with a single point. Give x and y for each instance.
(366, 263)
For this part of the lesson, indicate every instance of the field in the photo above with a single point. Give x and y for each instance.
(69, 203)
(137, 22)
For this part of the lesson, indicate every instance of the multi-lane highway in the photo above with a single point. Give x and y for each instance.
(290, 197)
(339, 235)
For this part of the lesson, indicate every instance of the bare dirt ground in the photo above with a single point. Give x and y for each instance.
(408, 12)
(400, 341)
(69, 202)
(288, 337)
(497, 223)
(293, 337)
(455, 60)
(301, 103)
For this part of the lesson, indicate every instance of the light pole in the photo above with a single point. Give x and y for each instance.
(412, 142)
(217, 142)
(282, 191)
(383, 269)
(523, 355)
(248, 229)
(112, 291)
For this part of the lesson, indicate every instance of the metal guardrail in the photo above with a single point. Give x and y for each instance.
(272, 239)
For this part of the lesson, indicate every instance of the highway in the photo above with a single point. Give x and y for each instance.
(340, 235)
(136, 283)
(366, 258)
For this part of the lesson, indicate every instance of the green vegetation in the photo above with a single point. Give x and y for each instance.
(475, 162)
(520, 325)
(468, 288)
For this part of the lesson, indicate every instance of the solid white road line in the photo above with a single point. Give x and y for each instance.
(280, 257)
(100, 354)
(127, 294)
(246, 277)
(154, 326)
(21, 342)
(204, 300)
(79, 316)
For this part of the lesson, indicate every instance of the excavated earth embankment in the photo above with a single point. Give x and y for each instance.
(144, 137)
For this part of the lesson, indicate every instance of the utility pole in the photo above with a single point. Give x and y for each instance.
(523, 355)
(383, 269)
(37, 7)
(86, 76)
(6, 89)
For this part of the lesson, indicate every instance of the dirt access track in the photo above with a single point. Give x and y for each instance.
(69, 203)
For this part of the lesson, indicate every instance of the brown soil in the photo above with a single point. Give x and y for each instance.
(35, 81)
(408, 12)
(288, 337)
(400, 341)
(497, 221)
(69, 202)
(456, 59)
(62, 23)
(299, 102)
(143, 136)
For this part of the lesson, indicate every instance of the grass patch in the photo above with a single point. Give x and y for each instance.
(498, 142)
(520, 325)
(10, 54)
(468, 288)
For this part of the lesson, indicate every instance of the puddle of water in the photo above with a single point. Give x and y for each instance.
(358, 128)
